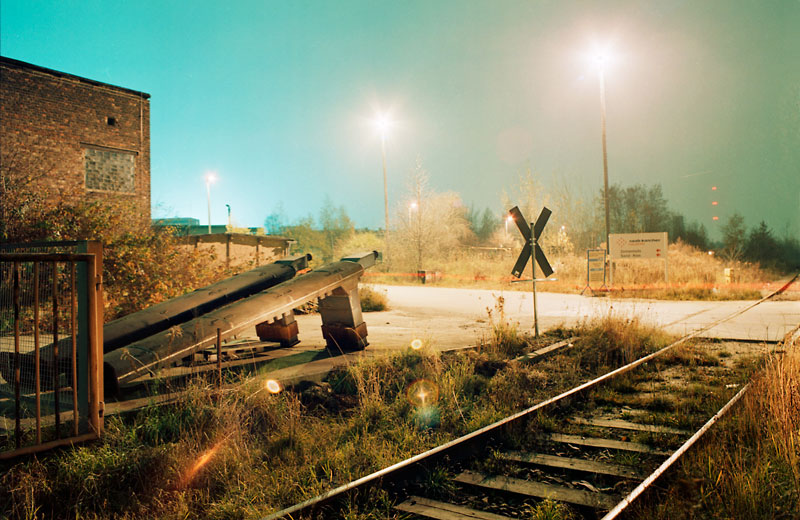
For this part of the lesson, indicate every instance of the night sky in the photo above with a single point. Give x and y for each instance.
(277, 97)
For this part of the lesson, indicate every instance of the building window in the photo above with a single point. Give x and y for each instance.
(109, 170)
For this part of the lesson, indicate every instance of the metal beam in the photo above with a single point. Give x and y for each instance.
(172, 345)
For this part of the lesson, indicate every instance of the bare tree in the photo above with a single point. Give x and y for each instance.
(430, 224)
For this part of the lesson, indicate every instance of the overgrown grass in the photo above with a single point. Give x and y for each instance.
(245, 452)
(611, 341)
(749, 465)
(372, 300)
(693, 275)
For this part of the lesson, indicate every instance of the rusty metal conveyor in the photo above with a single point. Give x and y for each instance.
(160, 317)
(270, 311)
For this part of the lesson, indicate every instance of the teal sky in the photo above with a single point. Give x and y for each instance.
(276, 97)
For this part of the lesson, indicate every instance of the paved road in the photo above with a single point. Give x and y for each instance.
(451, 318)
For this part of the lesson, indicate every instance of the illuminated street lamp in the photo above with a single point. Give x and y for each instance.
(210, 178)
(412, 207)
(383, 123)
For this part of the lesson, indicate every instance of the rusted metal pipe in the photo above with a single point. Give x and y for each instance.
(171, 346)
(55, 350)
(162, 316)
(219, 358)
(17, 418)
(74, 340)
(36, 354)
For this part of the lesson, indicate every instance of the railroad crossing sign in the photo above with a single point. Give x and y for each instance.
(531, 242)
(532, 249)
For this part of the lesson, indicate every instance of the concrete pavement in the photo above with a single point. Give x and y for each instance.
(451, 318)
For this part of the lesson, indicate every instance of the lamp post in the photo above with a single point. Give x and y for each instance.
(383, 122)
(601, 59)
(210, 177)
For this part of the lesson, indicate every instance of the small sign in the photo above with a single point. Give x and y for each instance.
(595, 268)
(637, 245)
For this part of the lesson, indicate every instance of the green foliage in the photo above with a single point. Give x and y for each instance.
(245, 453)
(551, 510)
(322, 240)
(734, 234)
(142, 265)
(482, 224)
(636, 209)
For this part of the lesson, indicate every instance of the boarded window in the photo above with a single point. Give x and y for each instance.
(109, 170)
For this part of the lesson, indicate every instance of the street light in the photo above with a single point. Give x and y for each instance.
(412, 207)
(210, 178)
(383, 123)
(601, 62)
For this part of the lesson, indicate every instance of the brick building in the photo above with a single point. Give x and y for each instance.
(78, 138)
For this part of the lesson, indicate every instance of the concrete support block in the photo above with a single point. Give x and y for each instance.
(342, 324)
(283, 330)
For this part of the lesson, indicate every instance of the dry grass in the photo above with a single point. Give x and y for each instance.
(246, 452)
(693, 274)
(749, 466)
(372, 300)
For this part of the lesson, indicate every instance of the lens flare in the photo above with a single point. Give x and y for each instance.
(201, 461)
(272, 386)
(422, 392)
(416, 344)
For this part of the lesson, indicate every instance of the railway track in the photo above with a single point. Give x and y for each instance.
(594, 448)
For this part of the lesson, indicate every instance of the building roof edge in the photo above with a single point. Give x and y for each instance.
(4, 60)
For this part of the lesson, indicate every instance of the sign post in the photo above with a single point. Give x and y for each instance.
(533, 251)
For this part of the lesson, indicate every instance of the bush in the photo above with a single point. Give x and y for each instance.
(142, 265)
(372, 300)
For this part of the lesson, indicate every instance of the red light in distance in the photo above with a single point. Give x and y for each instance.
(714, 203)
(713, 188)
(715, 218)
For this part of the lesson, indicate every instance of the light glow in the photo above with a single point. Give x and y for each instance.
(272, 386)
(422, 393)
(416, 344)
(211, 178)
(383, 123)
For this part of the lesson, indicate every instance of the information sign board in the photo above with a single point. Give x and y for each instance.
(637, 245)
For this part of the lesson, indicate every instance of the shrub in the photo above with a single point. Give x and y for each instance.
(372, 300)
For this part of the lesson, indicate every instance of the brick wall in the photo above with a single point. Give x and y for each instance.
(78, 138)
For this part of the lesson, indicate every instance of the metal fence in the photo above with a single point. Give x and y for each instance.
(50, 348)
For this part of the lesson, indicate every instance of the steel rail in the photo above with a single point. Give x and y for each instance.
(451, 448)
(625, 502)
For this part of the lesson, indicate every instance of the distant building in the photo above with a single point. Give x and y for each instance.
(231, 247)
(79, 139)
